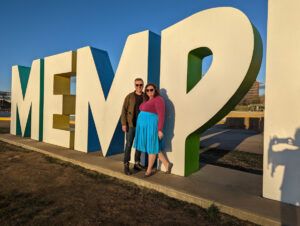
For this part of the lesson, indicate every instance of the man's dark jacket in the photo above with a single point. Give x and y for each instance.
(128, 110)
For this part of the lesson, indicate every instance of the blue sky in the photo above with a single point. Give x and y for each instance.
(34, 29)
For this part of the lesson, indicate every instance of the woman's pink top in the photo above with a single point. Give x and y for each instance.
(157, 106)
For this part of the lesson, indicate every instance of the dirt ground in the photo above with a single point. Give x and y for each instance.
(38, 190)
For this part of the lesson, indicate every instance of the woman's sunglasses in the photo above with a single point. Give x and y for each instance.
(149, 90)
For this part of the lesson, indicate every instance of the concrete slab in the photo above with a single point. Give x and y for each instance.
(232, 139)
(234, 192)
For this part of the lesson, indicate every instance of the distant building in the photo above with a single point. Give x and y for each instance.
(252, 95)
(262, 99)
(5, 101)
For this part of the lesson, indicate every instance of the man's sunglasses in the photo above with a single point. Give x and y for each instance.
(139, 85)
(149, 90)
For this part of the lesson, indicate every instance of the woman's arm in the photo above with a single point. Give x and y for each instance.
(160, 109)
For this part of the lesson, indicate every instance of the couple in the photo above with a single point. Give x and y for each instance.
(143, 118)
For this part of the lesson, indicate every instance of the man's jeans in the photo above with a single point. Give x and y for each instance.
(129, 141)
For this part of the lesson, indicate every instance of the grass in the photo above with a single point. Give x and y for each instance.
(19, 208)
(243, 161)
(4, 130)
(16, 207)
(241, 108)
(213, 212)
(89, 173)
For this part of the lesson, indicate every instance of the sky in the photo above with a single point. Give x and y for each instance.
(34, 29)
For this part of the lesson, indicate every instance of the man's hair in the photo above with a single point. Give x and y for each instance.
(138, 79)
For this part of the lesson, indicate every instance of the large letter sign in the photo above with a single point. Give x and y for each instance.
(42, 104)
(27, 90)
(281, 177)
(99, 100)
(59, 104)
(193, 104)
(237, 53)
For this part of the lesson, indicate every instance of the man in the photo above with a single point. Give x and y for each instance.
(129, 116)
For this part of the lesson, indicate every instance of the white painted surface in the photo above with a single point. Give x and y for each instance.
(106, 113)
(228, 33)
(281, 178)
(54, 65)
(32, 98)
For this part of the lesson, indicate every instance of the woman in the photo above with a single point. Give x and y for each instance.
(148, 134)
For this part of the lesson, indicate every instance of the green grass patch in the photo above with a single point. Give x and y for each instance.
(244, 161)
(241, 108)
(213, 213)
(4, 130)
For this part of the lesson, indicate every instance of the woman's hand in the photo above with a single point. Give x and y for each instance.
(160, 135)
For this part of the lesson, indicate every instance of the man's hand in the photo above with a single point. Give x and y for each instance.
(160, 135)
(124, 128)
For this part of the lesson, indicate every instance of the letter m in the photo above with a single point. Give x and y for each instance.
(100, 92)
(27, 89)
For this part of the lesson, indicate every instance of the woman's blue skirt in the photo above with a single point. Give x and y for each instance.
(146, 133)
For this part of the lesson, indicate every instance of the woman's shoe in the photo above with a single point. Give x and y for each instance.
(148, 175)
(169, 168)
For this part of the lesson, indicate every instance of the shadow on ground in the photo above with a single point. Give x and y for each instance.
(218, 146)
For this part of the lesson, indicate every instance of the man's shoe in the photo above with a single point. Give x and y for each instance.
(126, 169)
(138, 167)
